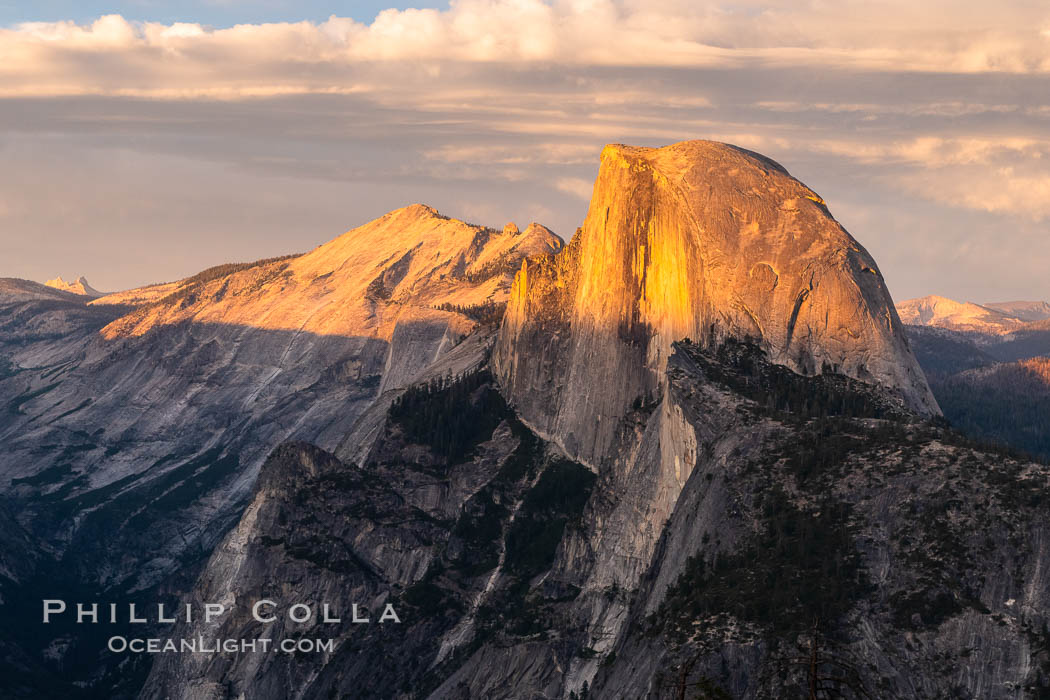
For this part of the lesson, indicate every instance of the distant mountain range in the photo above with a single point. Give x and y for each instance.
(984, 365)
(997, 318)
(1025, 310)
(78, 286)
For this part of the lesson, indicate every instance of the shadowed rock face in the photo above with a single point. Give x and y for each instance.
(689, 241)
(924, 559)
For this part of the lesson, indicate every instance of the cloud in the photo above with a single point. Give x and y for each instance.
(114, 56)
(576, 186)
(540, 154)
(930, 151)
(1005, 175)
(930, 117)
(999, 191)
(953, 108)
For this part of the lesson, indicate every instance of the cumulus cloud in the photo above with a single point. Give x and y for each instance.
(114, 56)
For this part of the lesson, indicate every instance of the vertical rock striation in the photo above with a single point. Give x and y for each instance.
(682, 242)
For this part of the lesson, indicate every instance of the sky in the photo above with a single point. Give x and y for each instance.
(143, 141)
(213, 13)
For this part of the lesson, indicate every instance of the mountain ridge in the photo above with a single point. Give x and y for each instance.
(1025, 310)
(203, 381)
(356, 283)
(942, 312)
(78, 286)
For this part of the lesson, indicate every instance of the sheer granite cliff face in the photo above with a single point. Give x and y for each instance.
(696, 240)
(682, 242)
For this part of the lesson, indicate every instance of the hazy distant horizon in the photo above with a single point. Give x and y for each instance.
(143, 148)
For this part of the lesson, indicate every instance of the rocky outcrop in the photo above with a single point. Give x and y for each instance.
(78, 286)
(433, 532)
(911, 572)
(694, 240)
